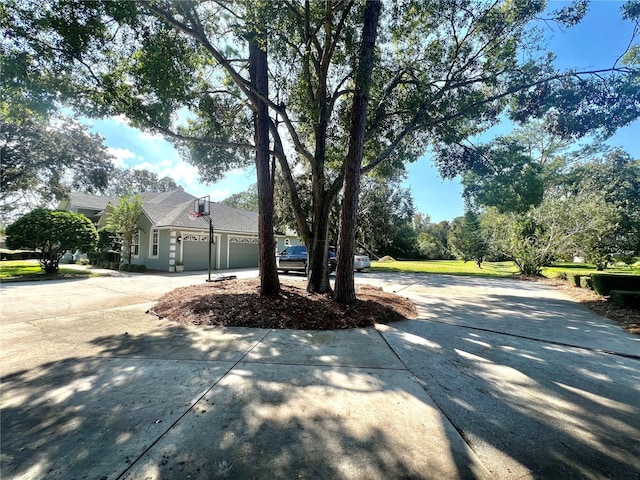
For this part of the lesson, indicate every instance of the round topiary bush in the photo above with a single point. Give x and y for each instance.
(52, 233)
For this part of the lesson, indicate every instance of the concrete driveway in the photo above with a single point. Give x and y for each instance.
(496, 379)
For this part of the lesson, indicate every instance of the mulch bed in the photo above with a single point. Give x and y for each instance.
(237, 303)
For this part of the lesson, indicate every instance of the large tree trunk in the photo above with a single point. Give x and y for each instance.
(318, 251)
(345, 290)
(269, 281)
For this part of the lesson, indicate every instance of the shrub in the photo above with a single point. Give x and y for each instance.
(624, 298)
(573, 279)
(103, 259)
(603, 283)
(52, 232)
(14, 256)
(585, 282)
(624, 259)
(562, 276)
(131, 267)
(82, 261)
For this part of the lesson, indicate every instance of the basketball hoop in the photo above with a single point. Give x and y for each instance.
(202, 208)
(201, 205)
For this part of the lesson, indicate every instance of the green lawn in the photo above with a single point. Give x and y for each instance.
(489, 269)
(30, 270)
(449, 267)
(581, 269)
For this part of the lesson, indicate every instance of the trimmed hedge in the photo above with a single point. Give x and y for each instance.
(603, 283)
(573, 279)
(585, 282)
(131, 267)
(624, 298)
(18, 255)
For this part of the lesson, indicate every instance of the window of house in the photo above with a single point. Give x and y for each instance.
(135, 247)
(153, 244)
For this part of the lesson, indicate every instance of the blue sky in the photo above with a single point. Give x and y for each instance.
(595, 43)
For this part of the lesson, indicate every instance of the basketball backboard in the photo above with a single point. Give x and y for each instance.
(201, 206)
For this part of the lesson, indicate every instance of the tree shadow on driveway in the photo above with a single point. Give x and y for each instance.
(205, 403)
(527, 407)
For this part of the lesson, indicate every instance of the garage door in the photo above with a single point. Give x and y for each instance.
(195, 252)
(243, 252)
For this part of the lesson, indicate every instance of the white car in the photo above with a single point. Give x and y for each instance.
(360, 262)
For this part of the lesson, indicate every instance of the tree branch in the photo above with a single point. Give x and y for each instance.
(290, 184)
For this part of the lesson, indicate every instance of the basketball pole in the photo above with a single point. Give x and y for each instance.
(210, 243)
(203, 209)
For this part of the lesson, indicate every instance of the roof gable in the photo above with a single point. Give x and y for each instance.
(90, 202)
(224, 218)
(170, 198)
(171, 210)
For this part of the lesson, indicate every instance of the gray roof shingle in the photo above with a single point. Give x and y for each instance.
(90, 202)
(224, 218)
(171, 209)
(172, 197)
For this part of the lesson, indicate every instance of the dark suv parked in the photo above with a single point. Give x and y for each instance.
(295, 258)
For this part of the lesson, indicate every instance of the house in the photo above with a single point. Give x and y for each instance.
(170, 234)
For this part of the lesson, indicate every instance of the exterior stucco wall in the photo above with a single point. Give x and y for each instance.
(161, 262)
(281, 241)
(143, 242)
(222, 251)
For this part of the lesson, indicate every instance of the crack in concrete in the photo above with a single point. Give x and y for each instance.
(191, 407)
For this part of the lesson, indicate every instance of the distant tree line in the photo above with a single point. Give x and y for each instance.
(530, 197)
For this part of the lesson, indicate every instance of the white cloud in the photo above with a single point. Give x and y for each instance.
(120, 155)
(143, 150)
(145, 166)
(144, 135)
(180, 171)
(120, 120)
(218, 195)
(234, 172)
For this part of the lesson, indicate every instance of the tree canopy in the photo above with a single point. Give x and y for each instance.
(247, 200)
(560, 227)
(124, 223)
(52, 232)
(126, 181)
(466, 239)
(42, 161)
(385, 214)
